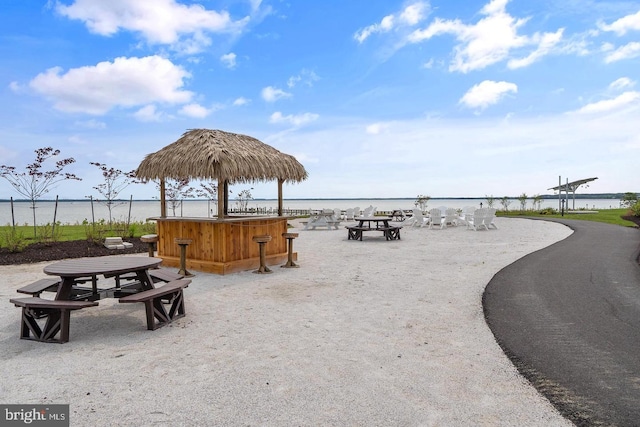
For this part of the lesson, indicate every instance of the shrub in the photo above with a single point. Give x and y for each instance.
(635, 208)
(13, 239)
(148, 227)
(95, 232)
(49, 233)
(547, 211)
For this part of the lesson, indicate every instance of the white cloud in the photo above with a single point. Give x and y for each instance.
(376, 128)
(621, 83)
(241, 101)
(295, 120)
(414, 13)
(385, 25)
(409, 16)
(623, 100)
(125, 82)
(628, 51)
(229, 60)
(148, 113)
(272, 94)
(490, 40)
(195, 110)
(15, 87)
(622, 25)
(546, 43)
(307, 77)
(487, 93)
(184, 27)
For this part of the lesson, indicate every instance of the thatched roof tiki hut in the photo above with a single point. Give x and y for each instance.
(228, 158)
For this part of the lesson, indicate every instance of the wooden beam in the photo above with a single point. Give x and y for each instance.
(163, 202)
(221, 198)
(280, 181)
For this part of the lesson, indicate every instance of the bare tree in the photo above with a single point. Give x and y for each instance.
(242, 199)
(176, 191)
(115, 181)
(490, 200)
(208, 191)
(34, 183)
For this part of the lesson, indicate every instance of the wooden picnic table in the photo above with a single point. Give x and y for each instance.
(390, 232)
(44, 319)
(72, 271)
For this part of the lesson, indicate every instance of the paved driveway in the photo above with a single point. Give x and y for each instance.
(568, 316)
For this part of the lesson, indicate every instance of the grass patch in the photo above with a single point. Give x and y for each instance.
(609, 216)
(22, 235)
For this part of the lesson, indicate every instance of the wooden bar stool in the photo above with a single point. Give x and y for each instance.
(149, 239)
(183, 243)
(290, 237)
(262, 240)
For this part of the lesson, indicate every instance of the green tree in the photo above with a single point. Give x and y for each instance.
(537, 200)
(523, 201)
(629, 199)
(505, 202)
(422, 202)
(34, 183)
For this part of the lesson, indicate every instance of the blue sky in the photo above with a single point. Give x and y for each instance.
(376, 98)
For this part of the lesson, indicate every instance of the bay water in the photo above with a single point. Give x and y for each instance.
(77, 211)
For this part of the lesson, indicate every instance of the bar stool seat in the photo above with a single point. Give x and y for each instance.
(183, 242)
(290, 237)
(149, 239)
(262, 240)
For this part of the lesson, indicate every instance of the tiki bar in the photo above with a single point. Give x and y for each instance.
(221, 244)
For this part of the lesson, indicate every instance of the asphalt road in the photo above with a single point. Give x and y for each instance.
(568, 316)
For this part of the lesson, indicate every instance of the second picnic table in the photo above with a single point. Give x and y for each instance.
(390, 232)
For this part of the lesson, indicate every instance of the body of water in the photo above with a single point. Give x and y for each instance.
(72, 212)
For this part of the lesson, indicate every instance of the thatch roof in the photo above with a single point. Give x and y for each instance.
(225, 156)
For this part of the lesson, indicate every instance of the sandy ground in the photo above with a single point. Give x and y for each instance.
(375, 333)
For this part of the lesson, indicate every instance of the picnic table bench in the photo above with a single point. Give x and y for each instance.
(390, 233)
(39, 286)
(56, 312)
(155, 300)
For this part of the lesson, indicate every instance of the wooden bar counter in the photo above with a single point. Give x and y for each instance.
(222, 246)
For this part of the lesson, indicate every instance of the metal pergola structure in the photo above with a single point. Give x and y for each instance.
(569, 186)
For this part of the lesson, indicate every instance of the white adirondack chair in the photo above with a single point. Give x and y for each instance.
(435, 218)
(491, 216)
(348, 214)
(476, 221)
(450, 217)
(417, 219)
(467, 212)
(369, 212)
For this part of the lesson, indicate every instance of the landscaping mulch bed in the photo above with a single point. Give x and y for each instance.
(39, 252)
